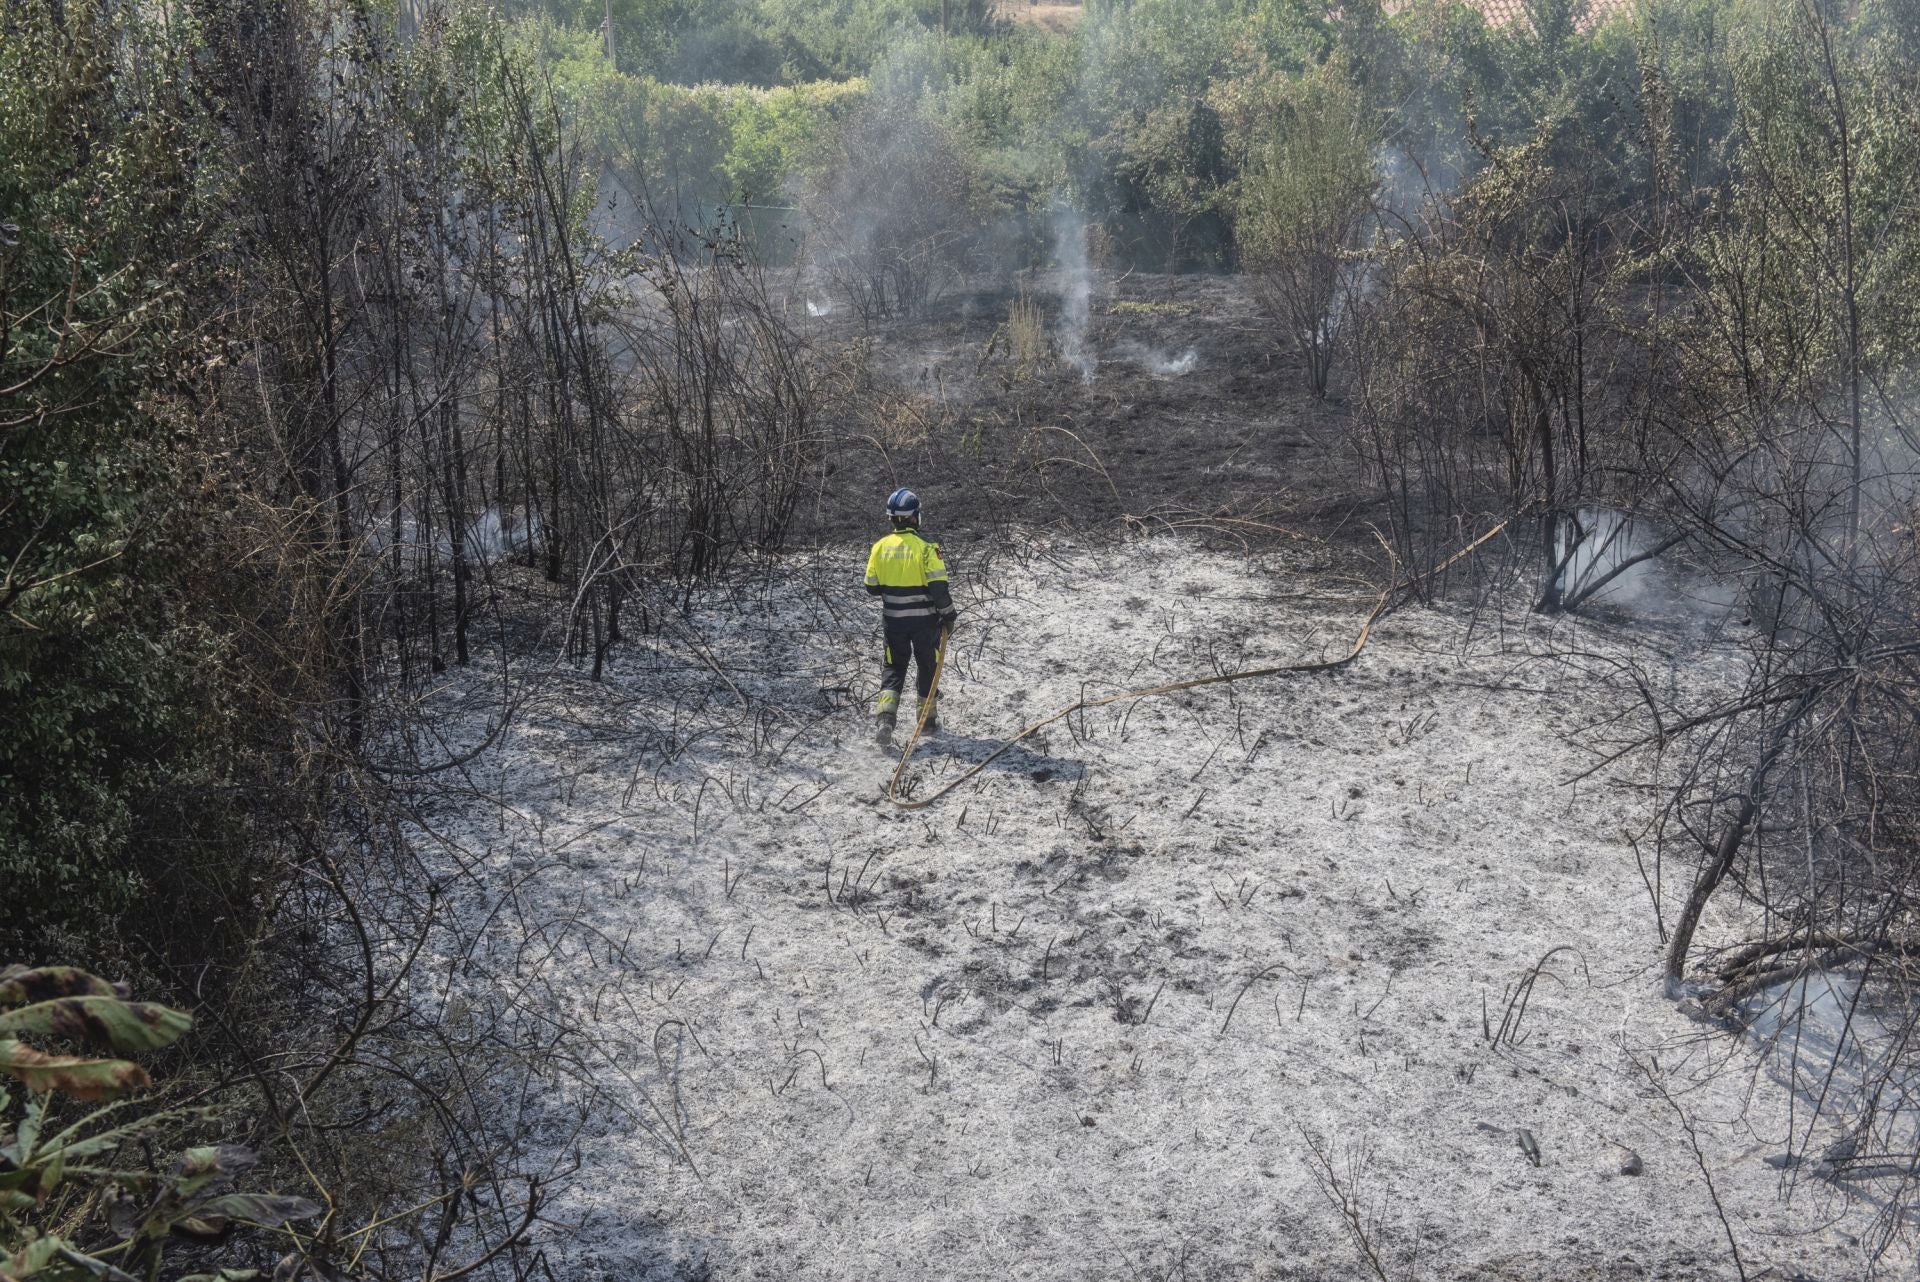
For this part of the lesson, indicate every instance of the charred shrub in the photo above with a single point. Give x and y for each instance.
(893, 212)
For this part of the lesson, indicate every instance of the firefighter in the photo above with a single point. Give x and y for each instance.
(906, 573)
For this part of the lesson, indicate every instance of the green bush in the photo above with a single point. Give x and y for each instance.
(114, 761)
(72, 1209)
(894, 212)
(1304, 198)
(774, 135)
(692, 155)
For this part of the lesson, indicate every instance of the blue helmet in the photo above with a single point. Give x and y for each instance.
(903, 505)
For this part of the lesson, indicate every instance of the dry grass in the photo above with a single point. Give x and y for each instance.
(1048, 15)
(1026, 336)
(1133, 308)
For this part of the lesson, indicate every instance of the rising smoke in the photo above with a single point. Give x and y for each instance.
(1601, 542)
(490, 536)
(1076, 291)
(1160, 364)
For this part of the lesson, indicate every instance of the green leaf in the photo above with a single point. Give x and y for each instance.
(43, 1255)
(296, 1265)
(203, 1167)
(21, 1149)
(119, 1025)
(202, 1228)
(56, 1170)
(268, 1210)
(29, 1259)
(89, 1265)
(112, 1138)
(19, 984)
(83, 1079)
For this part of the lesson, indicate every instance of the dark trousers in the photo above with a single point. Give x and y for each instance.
(915, 639)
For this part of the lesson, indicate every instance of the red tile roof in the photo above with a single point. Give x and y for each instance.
(1498, 13)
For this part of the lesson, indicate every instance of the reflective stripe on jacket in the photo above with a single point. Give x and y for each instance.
(906, 572)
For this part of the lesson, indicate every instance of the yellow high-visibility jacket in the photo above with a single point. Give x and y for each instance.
(906, 572)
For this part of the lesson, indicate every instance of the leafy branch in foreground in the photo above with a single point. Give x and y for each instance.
(69, 1210)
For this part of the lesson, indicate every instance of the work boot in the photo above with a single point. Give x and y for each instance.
(885, 709)
(933, 717)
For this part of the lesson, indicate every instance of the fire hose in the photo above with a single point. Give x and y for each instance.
(1388, 600)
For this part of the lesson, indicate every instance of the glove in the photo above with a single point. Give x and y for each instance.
(948, 618)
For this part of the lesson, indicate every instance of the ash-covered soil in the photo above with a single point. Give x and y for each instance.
(1319, 977)
(1149, 997)
(1192, 420)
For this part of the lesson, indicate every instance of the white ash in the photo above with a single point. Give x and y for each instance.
(986, 1040)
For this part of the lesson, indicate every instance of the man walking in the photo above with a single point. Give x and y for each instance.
(906, 573)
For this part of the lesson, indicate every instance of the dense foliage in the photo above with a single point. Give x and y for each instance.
(119, 741)
(1144, 114)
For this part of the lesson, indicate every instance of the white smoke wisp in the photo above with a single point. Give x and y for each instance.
(1607, 541)
(1076, 291)
(1822, 1040)
(1157, 363)
(1417, 177)
(489, 537)
(823, 307)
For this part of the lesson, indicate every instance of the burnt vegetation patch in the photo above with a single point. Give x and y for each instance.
(435, 442)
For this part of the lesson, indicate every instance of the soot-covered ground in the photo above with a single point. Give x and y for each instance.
(1092, 1014)
(1226, 984)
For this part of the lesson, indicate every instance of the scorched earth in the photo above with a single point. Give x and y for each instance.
(1226, 984)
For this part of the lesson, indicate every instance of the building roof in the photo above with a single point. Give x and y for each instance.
(1499, 13)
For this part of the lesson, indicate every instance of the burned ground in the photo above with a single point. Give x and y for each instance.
(1193, 420)
(1162, 989)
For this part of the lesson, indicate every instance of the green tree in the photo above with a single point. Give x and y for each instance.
(1154, 165)
(112, 766)
(1818, 260)
(1303, 203)
(840, 39)
(775, 135)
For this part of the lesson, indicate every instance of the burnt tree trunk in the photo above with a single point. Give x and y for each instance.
(1727, 850)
